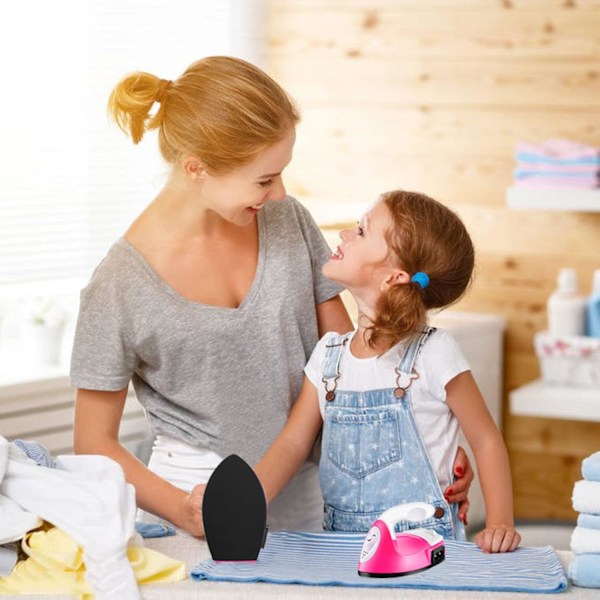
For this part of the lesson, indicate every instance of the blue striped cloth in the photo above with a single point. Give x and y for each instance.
(332, 559)
(36, 452)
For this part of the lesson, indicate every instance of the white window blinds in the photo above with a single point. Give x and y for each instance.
(70, 181)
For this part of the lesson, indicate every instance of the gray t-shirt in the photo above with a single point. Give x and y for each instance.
(219, 378)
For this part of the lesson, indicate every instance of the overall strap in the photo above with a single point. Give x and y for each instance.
(331, 367)
(405, 371)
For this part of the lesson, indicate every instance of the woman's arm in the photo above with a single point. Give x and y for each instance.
(466, 402)
(333, 316)
(458, 490)
(97, 419)
(293, 444)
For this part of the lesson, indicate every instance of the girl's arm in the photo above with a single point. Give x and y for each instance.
(293, 444)
(97, 419)
(467, 403)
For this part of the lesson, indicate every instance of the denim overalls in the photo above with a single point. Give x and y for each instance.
(372, 454)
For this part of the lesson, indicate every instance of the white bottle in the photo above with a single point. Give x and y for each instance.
(593, 308)
(566, 306)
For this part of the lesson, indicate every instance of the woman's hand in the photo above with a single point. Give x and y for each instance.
(459, 490)
(192, 508)
(498, 538)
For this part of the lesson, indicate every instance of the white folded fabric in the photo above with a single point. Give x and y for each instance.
(586, 497)
(15, 521)
(87, 497)
(585, 541)
(8, 559)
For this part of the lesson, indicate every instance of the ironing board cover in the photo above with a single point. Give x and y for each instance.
(332, 559)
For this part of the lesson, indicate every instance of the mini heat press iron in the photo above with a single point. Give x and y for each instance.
(234, 512)
(386, 553)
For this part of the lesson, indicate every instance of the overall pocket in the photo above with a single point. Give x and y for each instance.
(360, 442)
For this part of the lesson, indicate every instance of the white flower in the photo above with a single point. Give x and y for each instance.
(48, 312)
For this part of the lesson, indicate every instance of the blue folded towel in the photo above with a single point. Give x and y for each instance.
(584, 570)
(530, 157)
(332, 559)
(588, 520)
(590, 467)
(575, 175)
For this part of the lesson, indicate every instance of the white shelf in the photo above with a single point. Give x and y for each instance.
(555, 401)
(33, 374)
(568, 199)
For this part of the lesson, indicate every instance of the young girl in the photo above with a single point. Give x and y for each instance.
(392, 394)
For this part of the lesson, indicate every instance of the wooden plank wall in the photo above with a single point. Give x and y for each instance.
(432, 95)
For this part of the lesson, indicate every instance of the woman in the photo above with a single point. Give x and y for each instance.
(213, 299)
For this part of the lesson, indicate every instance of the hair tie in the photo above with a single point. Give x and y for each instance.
(163, 85)
(421, 278)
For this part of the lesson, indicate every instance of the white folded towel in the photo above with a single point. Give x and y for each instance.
(586, 496)
(585, 541)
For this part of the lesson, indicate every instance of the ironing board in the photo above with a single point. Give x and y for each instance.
(192, 551)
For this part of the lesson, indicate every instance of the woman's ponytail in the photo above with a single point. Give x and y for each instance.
(132, 100)
(221, 110)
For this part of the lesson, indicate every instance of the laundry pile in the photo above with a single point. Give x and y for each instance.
(557, 164)
(584, 570)
(67, 527)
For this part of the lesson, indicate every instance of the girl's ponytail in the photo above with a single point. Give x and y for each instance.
(400, 314)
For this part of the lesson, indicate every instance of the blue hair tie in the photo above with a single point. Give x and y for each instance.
(421, 278)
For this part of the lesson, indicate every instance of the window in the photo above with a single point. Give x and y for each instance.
(70, 181)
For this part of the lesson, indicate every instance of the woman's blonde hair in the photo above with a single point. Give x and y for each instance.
(222, 110)
(427, 237)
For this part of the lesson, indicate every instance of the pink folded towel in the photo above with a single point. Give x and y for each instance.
(540, 167)
(559, 148)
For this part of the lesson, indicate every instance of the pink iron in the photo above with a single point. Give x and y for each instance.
(387, 554)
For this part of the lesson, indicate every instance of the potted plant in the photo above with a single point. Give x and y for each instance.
(47, 320)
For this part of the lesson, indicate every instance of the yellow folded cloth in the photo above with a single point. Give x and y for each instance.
(55, 566)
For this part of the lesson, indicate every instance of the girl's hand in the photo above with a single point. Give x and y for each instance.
(458, 491)
(192, 508)
(498, 538)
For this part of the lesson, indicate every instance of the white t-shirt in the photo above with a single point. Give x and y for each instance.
(438, 362)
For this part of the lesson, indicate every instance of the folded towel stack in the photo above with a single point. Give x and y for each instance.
(557, 163)
(584, 569)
